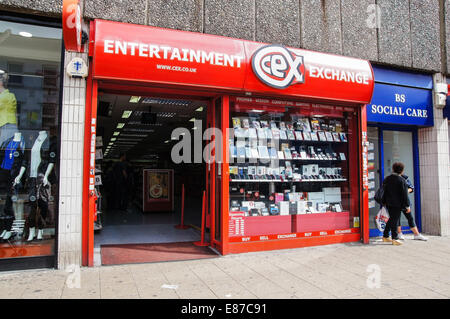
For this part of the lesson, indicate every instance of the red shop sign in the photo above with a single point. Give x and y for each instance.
(71, 18)
(149, 54)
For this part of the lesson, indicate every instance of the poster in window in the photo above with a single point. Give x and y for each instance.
(158, 190)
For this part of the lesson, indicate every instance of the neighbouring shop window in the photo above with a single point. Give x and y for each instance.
(293, 170)
(29, 106)
(374, 171)
(398, 147)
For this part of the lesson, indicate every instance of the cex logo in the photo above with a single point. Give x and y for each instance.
(278, 67)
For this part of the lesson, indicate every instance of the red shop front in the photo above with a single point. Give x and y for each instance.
(289, 165)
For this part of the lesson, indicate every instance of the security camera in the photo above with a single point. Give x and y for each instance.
(440, 92)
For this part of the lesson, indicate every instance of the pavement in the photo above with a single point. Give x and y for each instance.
(418, 270)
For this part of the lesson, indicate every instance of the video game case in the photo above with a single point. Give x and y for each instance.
(236, 122)
(263, 152)
(290, 135)
(315, 125)
(329, 136)
(322, 136)
(305, 125)
(252, 133)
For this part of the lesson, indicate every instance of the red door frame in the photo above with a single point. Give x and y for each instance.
(89, 199)
(199, 87)
(364, 176)
(223, 245)
(225, 174)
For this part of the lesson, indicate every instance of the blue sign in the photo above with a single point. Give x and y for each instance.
(402, 78)
(400, 105)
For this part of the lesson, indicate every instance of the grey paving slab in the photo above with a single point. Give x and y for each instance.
(413, 270)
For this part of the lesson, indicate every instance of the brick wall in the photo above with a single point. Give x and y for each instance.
(411, 33)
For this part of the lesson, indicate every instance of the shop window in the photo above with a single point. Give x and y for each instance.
(293, 169)
(374, 171)
(29, 112)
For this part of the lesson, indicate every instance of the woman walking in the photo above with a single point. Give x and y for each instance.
(409, 217)
(396, 200)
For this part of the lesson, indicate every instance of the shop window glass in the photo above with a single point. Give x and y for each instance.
(398, 147)
(374, 172)
(29, 112)
(293, 170)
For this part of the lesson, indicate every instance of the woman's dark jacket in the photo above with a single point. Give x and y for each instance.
(396, 192)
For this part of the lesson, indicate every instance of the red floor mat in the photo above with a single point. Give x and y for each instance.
(145, 253)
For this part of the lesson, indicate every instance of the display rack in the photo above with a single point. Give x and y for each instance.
(287, 173)
(98, 223)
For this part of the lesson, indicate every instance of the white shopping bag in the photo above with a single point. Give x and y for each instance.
(382, 218)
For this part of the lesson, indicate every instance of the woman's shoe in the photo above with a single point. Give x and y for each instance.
(420, 237)
(32, 234)
(7, 236)
(40, 234)
(396, 242)
(401, 237)
(387, 239)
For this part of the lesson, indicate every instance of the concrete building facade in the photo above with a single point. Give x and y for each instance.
(411, 35)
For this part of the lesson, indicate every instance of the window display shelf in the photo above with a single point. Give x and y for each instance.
(289, 172)
(285, 159)
(286, 181)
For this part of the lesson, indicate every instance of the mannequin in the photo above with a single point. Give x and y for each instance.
(13, 159)
(42, 162)
(8, 110)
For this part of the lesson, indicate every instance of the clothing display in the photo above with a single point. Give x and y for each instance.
(12, 155)
(12, 151)
(8, 115)
(8, 108)
(25, 171)
(39, 197)
(43, 153)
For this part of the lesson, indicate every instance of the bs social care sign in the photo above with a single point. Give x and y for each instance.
(400, 105)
